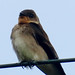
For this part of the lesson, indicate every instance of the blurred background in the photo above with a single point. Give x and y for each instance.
(58, 20)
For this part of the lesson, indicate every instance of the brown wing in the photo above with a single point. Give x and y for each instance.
(42, 39)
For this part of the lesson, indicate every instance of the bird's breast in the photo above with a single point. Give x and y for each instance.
(26, 47)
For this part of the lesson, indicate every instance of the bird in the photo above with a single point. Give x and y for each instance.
(31, 43)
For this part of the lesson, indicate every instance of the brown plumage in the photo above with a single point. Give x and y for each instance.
(30, 42)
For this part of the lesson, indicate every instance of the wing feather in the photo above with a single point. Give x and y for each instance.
(43, 40)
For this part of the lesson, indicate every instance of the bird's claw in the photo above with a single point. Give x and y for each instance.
(29, 64)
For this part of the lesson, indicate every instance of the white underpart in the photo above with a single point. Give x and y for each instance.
(26, 47)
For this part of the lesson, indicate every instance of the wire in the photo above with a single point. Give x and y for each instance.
(32, 63)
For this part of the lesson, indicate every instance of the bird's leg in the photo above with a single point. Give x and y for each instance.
(29, 64)
(22, 64)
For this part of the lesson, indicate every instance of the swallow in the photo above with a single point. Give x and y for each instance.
(31, 43)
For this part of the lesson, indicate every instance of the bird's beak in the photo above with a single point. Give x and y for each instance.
(23, 19)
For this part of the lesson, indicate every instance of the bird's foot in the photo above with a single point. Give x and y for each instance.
(28, 64)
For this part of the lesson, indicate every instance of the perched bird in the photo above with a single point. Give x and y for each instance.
(31, 43)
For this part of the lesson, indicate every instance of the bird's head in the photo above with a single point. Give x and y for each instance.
(28, 16)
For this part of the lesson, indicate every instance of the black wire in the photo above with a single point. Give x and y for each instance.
(32, 63)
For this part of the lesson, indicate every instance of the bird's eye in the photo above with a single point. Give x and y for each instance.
(31, 15)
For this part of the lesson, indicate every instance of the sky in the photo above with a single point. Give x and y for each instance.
(58, 20)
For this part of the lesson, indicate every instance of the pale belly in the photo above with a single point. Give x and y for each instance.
(27, 49)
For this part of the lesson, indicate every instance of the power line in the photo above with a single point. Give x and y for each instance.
(32, 63)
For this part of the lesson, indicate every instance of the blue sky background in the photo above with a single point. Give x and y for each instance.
(58, 20)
